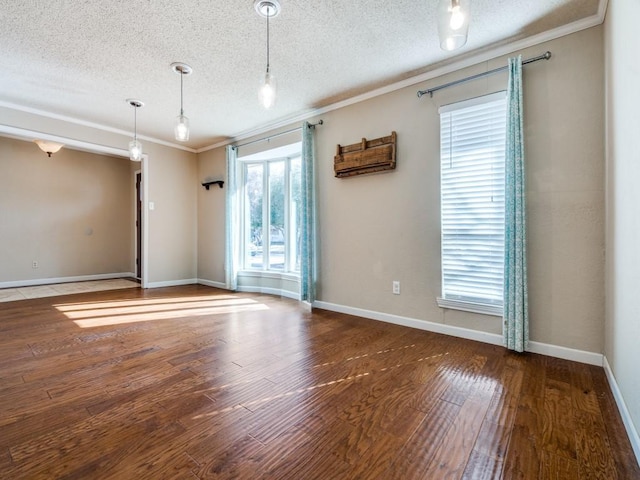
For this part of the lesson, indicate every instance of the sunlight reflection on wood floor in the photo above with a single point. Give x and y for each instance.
(39, 291)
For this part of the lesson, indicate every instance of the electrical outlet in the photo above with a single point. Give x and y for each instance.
(34, 264)
(396, 287)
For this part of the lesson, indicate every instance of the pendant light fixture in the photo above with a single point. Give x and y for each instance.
(181, 129)
(267, 92)
(135, 147)
(453, 23)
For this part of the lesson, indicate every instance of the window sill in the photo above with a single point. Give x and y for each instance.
(472, 307)
(294, 277)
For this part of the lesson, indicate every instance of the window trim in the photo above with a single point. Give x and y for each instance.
(473, 307)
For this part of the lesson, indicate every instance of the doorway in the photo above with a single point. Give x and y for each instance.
(139, 225)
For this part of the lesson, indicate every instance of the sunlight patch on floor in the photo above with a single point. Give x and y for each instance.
(99, 314)
(54, 290)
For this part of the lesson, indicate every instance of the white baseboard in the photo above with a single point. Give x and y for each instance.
(622, 408)
(566, 353)
(77, 278)
(492, 338)
(211, 283)
(172, 283)
(460, 332)
(271, 291)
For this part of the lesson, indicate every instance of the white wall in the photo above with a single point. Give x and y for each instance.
(378, 228)
(622, 348)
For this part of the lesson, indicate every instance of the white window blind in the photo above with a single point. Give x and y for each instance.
(472, 150)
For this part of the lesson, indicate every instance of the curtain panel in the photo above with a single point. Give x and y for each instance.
(308, 224)
(231, 223)
(516, 308)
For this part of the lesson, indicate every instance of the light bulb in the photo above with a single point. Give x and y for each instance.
(181, 129)
(457, 18)
(267, 93)
(450, 44)
(135, 150)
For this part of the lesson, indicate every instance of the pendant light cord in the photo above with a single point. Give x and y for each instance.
(268, 15)
(135, 122)
(181, 75)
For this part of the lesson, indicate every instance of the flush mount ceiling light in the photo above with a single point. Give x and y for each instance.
(135, 147)
(181, 129)
(267, 92)
(49, 147)
(453, 23)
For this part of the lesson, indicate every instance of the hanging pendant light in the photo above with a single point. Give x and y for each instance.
(135, 147)
(267, 92)
(453, 23)
(181, 129)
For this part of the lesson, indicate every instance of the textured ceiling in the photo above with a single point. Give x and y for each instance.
(82, 59)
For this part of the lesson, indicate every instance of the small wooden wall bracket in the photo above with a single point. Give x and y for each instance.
(368, 156)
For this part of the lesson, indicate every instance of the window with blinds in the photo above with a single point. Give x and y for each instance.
(472, 156)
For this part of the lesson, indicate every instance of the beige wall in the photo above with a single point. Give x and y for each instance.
(379, 228)
(623, 201)
(211, 208)
(172, 184)
(173, 224)
(72, 213)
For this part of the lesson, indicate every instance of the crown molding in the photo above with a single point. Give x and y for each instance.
(469, 61)
(602, 9)
(85, 123)
(460, 64)
(269, 128)
(28, 134)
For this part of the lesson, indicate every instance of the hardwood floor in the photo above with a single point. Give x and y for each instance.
(193, 383)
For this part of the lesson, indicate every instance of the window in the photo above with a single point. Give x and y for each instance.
(472, 160)
(270, 183)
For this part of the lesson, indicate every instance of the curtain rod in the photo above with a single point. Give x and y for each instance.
(311, 125)
(544, 56)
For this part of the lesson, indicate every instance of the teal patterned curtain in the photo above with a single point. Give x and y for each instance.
(231, 222)
(308, 222)
(516, 308)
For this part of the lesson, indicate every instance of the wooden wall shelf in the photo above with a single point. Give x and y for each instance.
(220, 183)
(368, 156)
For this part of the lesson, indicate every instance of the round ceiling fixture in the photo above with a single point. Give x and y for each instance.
(181, 68)
(134, 103)
(267, 8)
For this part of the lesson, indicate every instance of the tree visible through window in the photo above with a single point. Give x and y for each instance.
(271, 217)
(472, 156)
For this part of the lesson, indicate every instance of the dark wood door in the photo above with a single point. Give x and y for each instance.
(139, 225)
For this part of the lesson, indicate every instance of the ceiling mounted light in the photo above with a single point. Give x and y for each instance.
(267, 92)
(49, 147)
(135, 147)
(181, 129)
(453, 23)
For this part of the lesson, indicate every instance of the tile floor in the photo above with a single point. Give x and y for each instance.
(23, 293)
